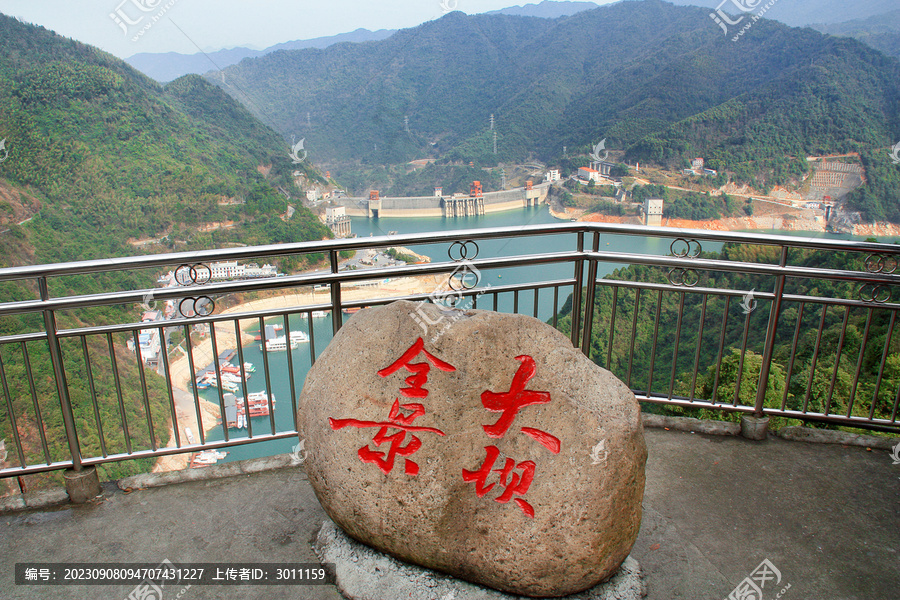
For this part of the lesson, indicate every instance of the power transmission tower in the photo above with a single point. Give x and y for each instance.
(406, 123)
(495, 142)
(307, 118)
(492, 121)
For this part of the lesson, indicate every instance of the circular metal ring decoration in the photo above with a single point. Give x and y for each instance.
(465, 277)
(191, 274)
(686, 248)
(467, 250)
(683, 277)
(876, 293)
(202, 306)
(880, 263)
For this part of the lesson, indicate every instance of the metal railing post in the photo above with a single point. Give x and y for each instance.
(336, 315)
(576, 293)
(770, 338)
(62, 386)
(589, 300)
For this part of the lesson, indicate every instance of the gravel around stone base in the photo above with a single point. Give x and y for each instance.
(366, 574)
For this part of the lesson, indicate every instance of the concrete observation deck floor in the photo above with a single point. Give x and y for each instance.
(827, 516)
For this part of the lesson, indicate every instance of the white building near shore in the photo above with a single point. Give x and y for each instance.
(234, 270)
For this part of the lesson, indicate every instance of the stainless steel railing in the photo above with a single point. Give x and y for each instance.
(816, 343)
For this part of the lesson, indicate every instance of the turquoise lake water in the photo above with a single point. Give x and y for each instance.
(279, 382)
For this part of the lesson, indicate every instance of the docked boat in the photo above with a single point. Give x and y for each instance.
(249, 368)
(280, 343)
(319, 314)
(257, 405)
(232, 378)
(212, 381)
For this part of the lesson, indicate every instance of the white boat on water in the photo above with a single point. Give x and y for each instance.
(259, 398)
(231, 377)
(280, 343)
(319, 314)
(224, 384)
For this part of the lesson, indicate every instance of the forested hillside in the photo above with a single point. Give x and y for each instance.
(882, 32)
(110, 155)
(803, 12)
(834, 372)
(94, 155)
(659, 82)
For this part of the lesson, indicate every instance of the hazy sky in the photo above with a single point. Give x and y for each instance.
(186, 25)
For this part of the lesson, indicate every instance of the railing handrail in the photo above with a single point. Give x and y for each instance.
(321, 246)
(585, 256)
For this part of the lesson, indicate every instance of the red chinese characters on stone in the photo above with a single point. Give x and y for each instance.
(509, 404)
(420, 370)
(514, 483)
(396, 419)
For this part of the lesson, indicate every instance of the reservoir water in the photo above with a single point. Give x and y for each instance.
(279, 382)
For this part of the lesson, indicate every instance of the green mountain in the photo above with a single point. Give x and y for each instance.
(110, 155)
(659, 82)
(882, 32)
(800, 13)
(548, 9)
(166, 66)
(94, 154)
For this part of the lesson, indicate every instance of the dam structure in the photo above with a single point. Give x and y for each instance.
(456, 205)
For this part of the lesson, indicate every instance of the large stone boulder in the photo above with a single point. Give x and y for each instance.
(478, 444)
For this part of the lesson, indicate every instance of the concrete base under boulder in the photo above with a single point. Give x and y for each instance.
(366, 574)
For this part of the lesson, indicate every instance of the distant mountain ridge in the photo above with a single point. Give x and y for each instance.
(168, 66)
(548, 9)
(645, 75)
(882, 32)
(799, 13)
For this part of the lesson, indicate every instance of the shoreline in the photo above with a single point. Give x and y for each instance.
(179, 370)
(773, 222)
